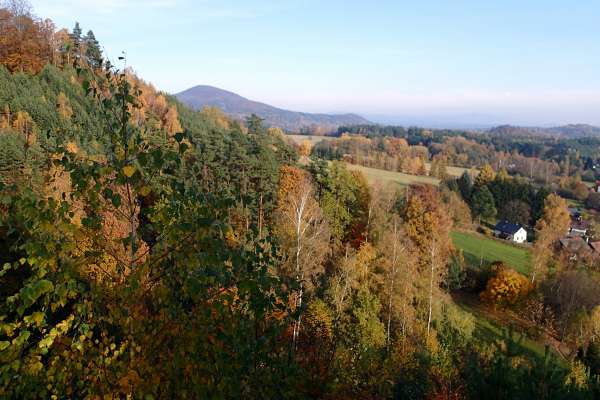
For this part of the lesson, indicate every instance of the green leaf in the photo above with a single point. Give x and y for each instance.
(116, 200)
(30, 293)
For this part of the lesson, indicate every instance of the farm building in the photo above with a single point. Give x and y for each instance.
(509, 231)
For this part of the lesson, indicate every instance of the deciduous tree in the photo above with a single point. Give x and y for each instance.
(302, 231)
(553, 225)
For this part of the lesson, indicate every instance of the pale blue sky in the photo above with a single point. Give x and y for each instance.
(527, 62)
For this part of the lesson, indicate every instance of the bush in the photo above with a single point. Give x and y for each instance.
(507, 287)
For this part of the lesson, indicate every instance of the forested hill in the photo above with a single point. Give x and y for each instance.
(565, 131)
(239, 107)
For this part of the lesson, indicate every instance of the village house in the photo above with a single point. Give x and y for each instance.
(578, 226)
(576, 247)
(509, 231)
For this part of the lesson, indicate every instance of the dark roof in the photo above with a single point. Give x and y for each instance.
(580, 225)
(507, 227)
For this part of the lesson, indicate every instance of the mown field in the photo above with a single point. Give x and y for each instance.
(390, 177)
(477, 247)
(312, 139)
(455, 171)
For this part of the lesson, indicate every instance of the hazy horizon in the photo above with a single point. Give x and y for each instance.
(467, 62)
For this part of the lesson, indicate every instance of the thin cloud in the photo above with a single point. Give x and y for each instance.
(198, 10)
(71, 7)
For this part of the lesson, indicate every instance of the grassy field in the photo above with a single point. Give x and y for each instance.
(312, 139)
(476, 247)
(390, 177)
(455, 171)
(492, 326)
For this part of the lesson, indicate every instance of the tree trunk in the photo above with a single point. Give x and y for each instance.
(431, 286)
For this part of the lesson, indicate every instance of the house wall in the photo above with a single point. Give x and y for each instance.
(520, 236)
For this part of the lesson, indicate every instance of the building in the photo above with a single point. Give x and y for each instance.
(509, 231)
(578, 248)
(578, 226)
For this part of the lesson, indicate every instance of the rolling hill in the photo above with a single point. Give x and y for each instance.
(239, 107)
(565, 131)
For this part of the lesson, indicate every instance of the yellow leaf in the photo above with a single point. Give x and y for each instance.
(145, 191)
(37, 317)
(128, 170)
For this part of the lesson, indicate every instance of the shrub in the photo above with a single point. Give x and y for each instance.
(506, 287)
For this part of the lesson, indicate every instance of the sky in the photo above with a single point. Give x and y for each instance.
(455, 61)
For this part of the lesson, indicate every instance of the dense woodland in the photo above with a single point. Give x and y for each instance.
(151, 251)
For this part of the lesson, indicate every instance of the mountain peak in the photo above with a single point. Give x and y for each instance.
(240, 107)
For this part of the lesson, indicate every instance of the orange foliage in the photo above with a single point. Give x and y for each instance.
(506, 287)
(305, 148)
(25, 42)
(154, 104)
(289, 179)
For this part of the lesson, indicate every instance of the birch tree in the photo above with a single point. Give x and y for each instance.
(428, 226)
(302, 231)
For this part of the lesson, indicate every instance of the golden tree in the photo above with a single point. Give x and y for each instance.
(302, 231)
(552, 226)
(485, 176)
(428, 225)
(506, 287)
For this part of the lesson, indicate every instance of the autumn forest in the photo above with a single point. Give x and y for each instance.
(154, 251)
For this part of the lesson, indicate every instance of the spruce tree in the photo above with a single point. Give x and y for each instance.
(76, 34)
(93, 54)
(76, 39)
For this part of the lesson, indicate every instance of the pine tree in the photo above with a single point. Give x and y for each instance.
(255, 126)
(482, 203)
(93, 54)
(76, 39)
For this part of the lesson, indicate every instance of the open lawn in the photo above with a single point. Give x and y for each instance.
(476, 247)
(390, 177)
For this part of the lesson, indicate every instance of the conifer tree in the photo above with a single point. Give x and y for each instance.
(93, 54)
(76, 39)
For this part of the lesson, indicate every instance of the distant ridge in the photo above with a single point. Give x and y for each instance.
(239, 107)
(565, 131)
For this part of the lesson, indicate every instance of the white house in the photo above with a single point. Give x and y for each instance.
(509, 231)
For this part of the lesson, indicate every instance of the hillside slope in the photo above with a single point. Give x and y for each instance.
(240, 107)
